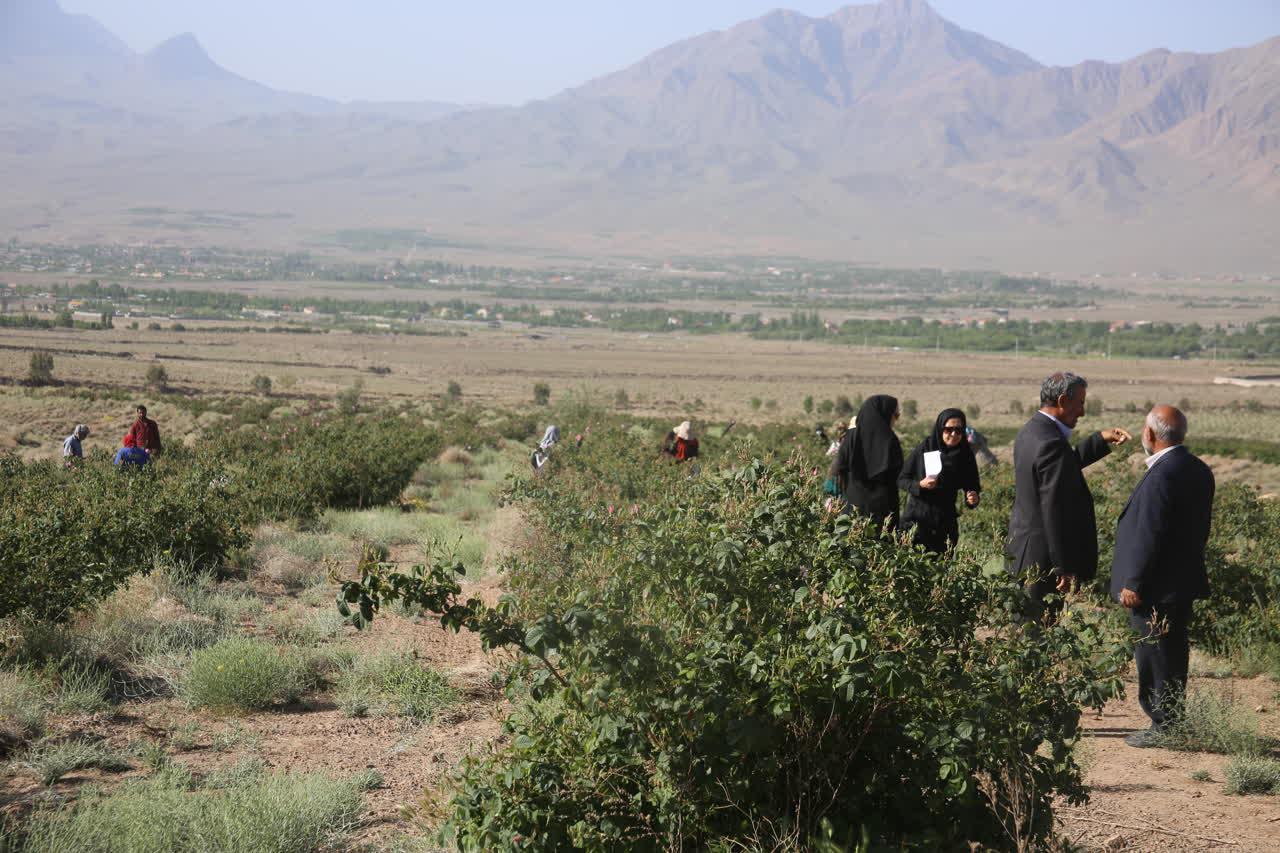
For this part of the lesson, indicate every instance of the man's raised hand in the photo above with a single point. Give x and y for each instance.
(1116, 435)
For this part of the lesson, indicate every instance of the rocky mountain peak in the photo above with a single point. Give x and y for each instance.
(182, 58)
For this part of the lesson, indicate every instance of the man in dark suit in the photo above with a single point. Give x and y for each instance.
(1053, 533)
(1159, 563)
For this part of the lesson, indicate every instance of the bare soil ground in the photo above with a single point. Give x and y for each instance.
(1145, 799)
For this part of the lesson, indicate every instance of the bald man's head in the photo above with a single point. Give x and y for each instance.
(1166, 426)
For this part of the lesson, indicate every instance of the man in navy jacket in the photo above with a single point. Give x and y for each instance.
(1159, 563)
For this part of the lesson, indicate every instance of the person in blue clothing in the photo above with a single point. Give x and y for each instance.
(71, 447)
(131, 455)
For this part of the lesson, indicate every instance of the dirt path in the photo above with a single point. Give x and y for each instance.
(1145, 799)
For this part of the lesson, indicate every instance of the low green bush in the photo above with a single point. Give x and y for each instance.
(1252, 774)
(83, 688)
(262, 813)
(1211, 722)
(307, 628)
(300, 467)
(190, 507)
(51, 761)
(22, 709)
(717, 663)
(104, 525)
(244, 674)
(393, 684)
(224, 604)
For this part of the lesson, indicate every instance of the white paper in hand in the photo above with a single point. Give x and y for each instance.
(932, 463)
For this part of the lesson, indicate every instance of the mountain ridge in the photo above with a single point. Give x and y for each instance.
(880, 125)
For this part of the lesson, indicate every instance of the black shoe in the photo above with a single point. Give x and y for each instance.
(1144, 739)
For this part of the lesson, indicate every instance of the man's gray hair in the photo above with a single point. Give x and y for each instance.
(1170, 430)
(1059, 384)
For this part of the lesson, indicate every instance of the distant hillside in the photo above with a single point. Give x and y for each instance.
(881, 133)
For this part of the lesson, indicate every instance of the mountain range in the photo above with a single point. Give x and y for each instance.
(878, 134)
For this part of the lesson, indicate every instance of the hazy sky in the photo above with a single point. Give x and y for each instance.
(511, 51)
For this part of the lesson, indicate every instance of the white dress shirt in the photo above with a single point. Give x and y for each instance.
(1158, 455)
(1063, 428)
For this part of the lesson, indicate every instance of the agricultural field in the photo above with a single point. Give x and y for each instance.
(203, 683)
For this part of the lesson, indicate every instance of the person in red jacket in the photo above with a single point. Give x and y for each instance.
(681, 444)
(145, 432)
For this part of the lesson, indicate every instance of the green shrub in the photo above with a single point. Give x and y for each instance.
(1210, 722)
(348, 399)
(244, 674)
(1252, 774)
(246, 771)
(83, 688)
(392, 684)
(541, 394)
(299, 469)
(106, 525)
(51, 761)
(40, 371)
(307, 629)
(22, 709)
(176, 637)
(157, 378)
(262, 384)
(30, 643)
(262, 813)
(725, 665)
(224, 605)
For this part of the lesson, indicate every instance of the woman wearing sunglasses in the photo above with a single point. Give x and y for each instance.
(933, 481)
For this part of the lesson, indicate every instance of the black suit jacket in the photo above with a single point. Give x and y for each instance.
(1161, 535)
(1053, 526)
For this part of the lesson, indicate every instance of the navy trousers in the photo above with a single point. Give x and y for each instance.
(1162, 658)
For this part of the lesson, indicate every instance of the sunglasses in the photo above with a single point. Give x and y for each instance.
(953, 430)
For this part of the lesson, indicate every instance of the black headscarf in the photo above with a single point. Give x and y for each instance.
(958, 463)
(873, 449)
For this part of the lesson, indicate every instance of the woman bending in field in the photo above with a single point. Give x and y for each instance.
(681, 444)
(931, 497)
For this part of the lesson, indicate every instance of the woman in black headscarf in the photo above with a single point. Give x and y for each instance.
(867, 464)
(931, 499)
